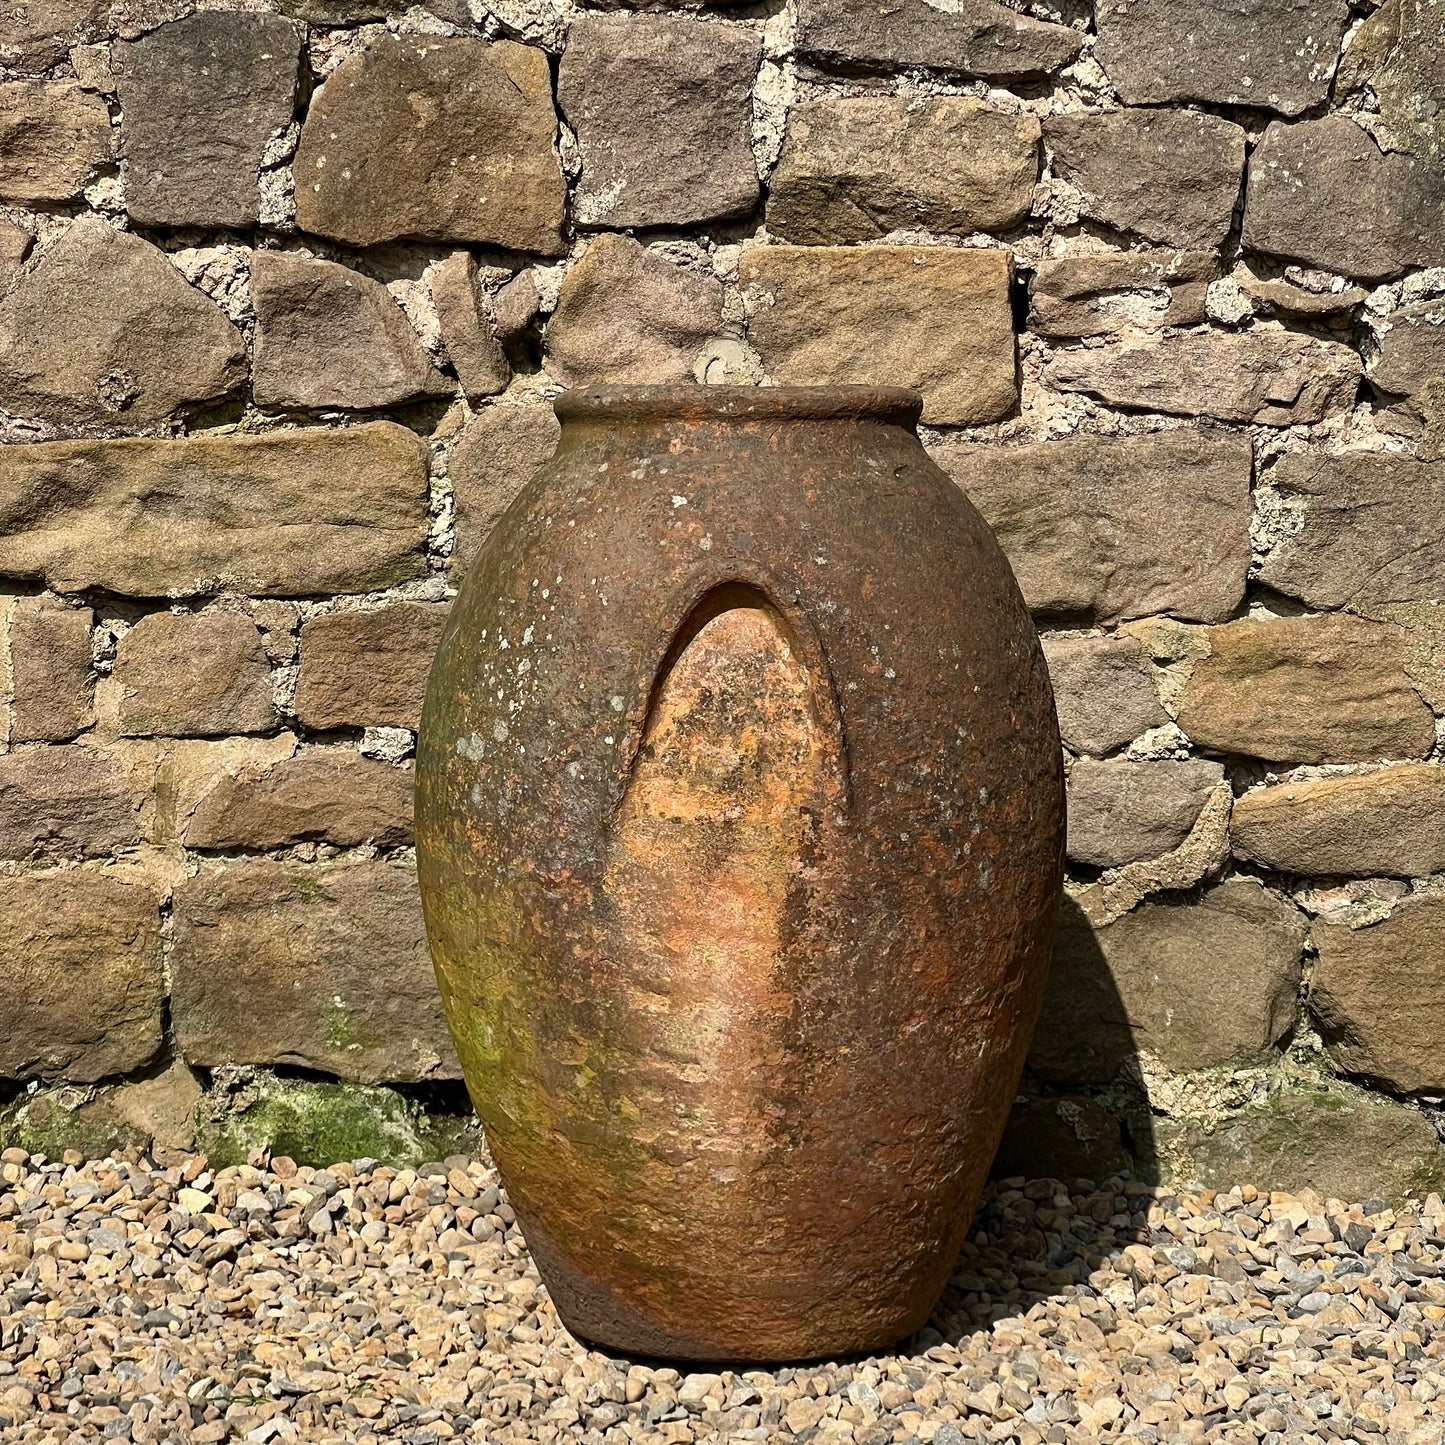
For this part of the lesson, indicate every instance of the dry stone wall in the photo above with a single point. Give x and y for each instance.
(285, 294)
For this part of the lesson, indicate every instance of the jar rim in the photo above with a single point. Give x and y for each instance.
(896, 405)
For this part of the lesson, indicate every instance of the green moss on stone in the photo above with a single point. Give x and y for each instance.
(54, 1120)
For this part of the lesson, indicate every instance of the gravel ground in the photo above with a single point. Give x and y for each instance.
(359, 1303)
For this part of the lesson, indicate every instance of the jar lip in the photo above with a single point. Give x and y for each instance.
(692, 401)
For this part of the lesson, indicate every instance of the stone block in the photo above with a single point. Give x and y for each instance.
(286, 513)
(1169, 176)
(662, 110)
(1266, 376)
(200, 98)
(15, 245)
(52, 676)
(35, 35)
(499, 451)
(81, 957)
(473, 350)
(53, 139)
(1307, 690)
(104, 329)
(931, 317)
(1412, 355)
(480, 168)
(1396, 58)
(1108, 528)
(1064, 1139)
(1102, 295)
(856, 169)
(1375, 993)
(323, 795)
(1122, 812)
(327, 336)
(1265, 54)
(64, 802)
(1389, 822)
(1103, 692)
(625, 315)
(368, 669)
(318, 966)
(193, 676)
(1152, 981)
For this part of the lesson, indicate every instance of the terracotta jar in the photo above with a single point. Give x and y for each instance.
(740, 827)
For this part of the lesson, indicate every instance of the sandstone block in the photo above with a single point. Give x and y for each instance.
(856, 169)
(1368, 531)
(474, 351)
(327, 336)
(1386, 823)
(1376, 995)
(52, 676)
(15, 244)
(36, 35)
(1103, 692)
(291, 513)
(1064, 1139)
(1269, 54)
(1307, 690)
(1265, 376)
(106, 330)
(1122, 812)
(1398, 56)
(1111, 528)
(1322, 192)
(935, 318)
(626, 315)
(1079, 296)
(516, 306)
(1412, 355)
(1169, 176)
(63, 803)
(324, 795)
(972, 37)
(53, 137)
(442, 140)
(161, 1109)
(499, 451)
(193, 676)
(368, 669)
(1285, 299)
(319, 966)
(200, 98)
(81, 957)
(662, 110)
(1152, 981)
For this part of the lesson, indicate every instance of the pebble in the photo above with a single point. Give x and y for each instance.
(276, 1303)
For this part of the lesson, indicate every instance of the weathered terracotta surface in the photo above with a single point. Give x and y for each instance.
(740, 822)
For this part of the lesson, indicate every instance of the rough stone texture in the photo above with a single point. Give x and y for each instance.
(1168, 176)
(34, 34)
(162, 1109)
(1412, 355)
(474, 352)
(193, 676)
(856, 169)
(51, 671)
(1069, 1138)
(325, 795)
(1398, 54)
(321, 966)
(1267, 54)
(1102, 690)
(972, 37)
(1321, 192)
(65, 802)
(1375, 993)
(1307, 690)
(516, 306)
(1389, 822)
(1369, 530)
(368, 669)
(53, 137)
(1111, 528)
(1080, 296)
(104, 329)
(15, 244)
(1152, 981)
(626, 315)
(1282, 299)
(930, 317)
(469, 126)
(327, 336)
(1121, 812)
(1266, 376)
(81, 957)
(497, 454)
(199, 99)
(662, 110)
(290, 513)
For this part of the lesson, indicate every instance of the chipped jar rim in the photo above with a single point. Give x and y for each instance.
(895, 405)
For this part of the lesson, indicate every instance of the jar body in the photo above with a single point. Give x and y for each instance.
(740, 832)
